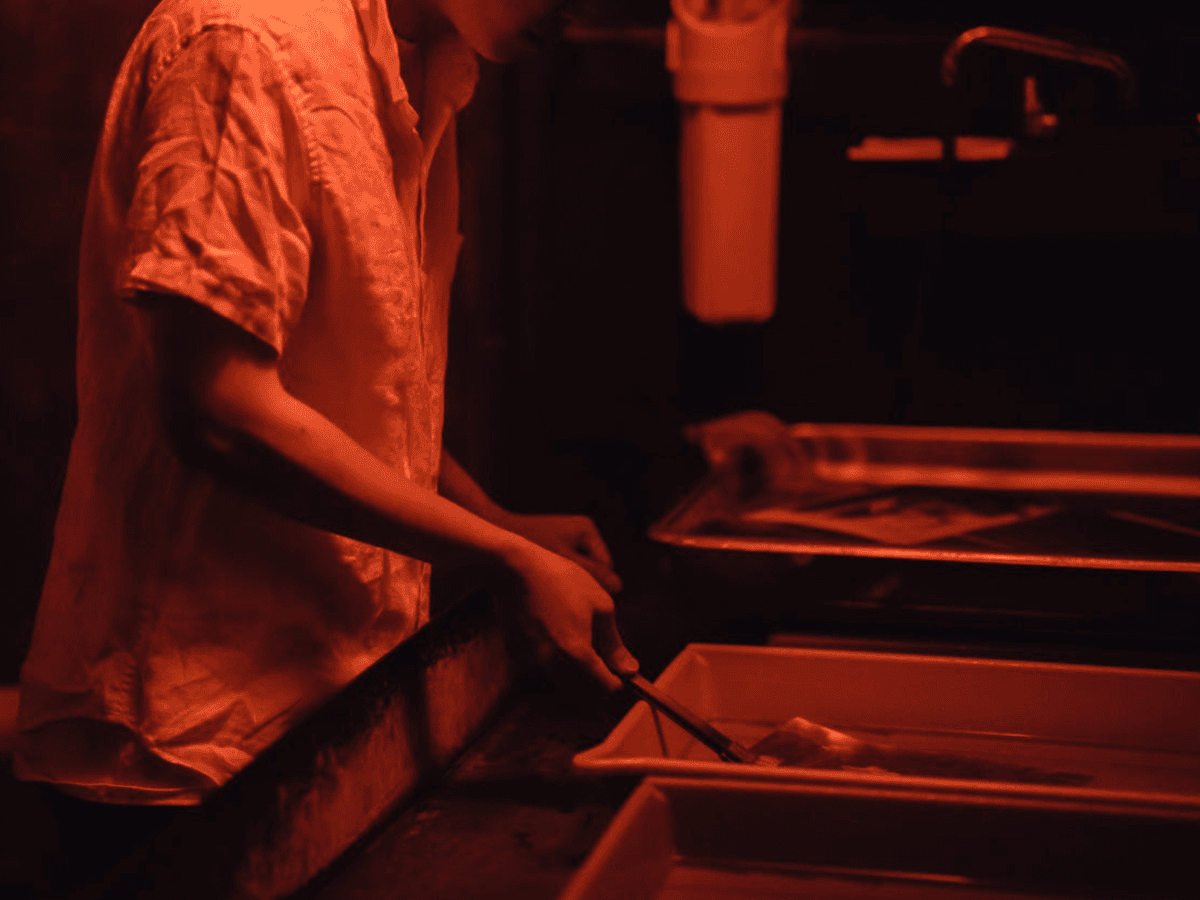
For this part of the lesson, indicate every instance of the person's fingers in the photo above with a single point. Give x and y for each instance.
(594, 664)
(591, 544)
(606, 577)
(609, 646)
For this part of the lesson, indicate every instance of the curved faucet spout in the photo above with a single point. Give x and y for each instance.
(1037, 45)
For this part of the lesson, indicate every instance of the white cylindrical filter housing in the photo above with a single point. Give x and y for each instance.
(730, 79)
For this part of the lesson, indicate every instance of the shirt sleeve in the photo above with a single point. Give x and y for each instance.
(222, 188)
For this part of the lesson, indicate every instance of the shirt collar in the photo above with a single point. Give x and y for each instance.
(451, 67)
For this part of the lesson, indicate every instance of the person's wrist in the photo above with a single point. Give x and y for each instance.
(519, 557)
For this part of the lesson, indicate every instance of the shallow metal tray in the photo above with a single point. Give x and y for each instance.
(717, 840)
(1050, 498)
(1132, 733)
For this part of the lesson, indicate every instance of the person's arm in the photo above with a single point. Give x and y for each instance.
(575, 537)
(225, 410)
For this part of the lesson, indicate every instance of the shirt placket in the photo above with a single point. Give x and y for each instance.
(385, 53)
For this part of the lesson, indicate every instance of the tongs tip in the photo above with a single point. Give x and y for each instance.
(723, 745)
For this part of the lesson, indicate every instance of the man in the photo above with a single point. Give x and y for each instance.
(257, 484)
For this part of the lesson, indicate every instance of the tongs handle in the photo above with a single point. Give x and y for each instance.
(725, 747)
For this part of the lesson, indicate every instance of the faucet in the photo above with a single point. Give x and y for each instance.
(1036, 45)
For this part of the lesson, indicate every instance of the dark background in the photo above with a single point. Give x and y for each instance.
(572, 367)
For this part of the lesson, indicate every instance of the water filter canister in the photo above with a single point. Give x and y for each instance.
(730, 78)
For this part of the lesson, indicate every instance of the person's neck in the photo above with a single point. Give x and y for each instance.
(417, 21)
(409, 19)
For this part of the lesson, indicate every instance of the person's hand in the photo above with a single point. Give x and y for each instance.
(756, 450)
(575, 537)
(562, 609)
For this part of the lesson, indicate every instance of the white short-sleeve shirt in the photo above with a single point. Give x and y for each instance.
(262, 158)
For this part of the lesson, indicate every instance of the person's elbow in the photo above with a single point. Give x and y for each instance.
(214, 386)
(205, 429)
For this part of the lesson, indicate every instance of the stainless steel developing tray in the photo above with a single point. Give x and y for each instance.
(1132, 732)
(706, 840)
(1056, 498)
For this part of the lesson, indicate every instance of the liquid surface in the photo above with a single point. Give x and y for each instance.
(1100, 767)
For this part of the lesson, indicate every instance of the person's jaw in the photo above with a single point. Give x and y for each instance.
(498, 30)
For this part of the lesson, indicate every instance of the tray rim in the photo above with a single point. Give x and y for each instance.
(965, 433)
(661, 533)
(698, 647)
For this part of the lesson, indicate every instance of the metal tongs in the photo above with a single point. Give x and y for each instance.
(724, 746)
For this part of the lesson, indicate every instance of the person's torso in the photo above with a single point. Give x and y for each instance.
(182, 628)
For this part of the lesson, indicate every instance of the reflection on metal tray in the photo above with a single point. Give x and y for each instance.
(683, 838)
(1124, 501)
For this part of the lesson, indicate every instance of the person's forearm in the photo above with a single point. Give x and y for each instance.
(296, 461)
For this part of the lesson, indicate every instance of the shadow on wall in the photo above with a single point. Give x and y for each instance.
(60, 58)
